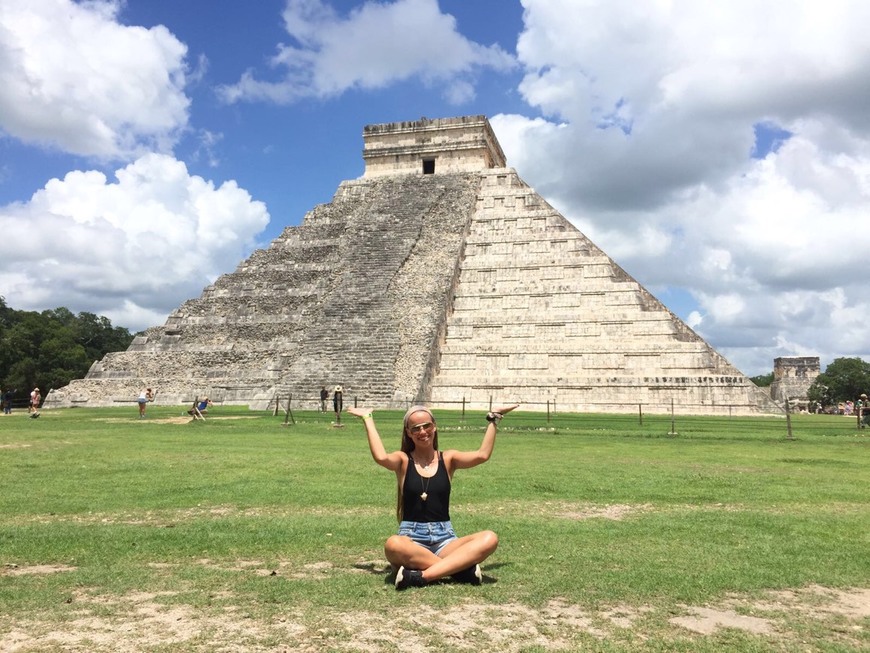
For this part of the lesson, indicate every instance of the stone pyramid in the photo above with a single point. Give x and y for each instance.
(437, 277)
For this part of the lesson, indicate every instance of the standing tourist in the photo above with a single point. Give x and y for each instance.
(144, 397)
(35, 400)
(337, 403)
(426, 547)
(324, 395)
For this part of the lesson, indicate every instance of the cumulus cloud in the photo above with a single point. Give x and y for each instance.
(128, 248)
(72, 78)
(376, 45)
(651, 115)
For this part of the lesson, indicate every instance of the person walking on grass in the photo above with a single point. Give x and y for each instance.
(35, 400)
(426, 547)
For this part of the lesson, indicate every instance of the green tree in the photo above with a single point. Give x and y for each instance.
(843, 379)
(51, 348)
(762, 380)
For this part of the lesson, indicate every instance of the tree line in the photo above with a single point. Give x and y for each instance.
(48, 349)
(843, 380)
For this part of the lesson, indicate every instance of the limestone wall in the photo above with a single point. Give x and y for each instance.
(541, 314)
(792, 378)
(449, 145)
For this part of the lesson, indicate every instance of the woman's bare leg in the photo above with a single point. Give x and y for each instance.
(460, 554)
(402, 551)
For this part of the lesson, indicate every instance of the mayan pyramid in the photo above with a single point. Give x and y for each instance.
(440, 277)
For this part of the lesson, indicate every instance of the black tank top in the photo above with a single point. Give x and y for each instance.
(436, 507)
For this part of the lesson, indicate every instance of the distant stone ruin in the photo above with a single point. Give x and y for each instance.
(441, 277)
(792, 378)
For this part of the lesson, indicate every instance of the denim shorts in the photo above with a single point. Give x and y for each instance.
(432, 535)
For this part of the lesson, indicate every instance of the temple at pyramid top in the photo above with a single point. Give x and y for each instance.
(425, 147)
(438, 277)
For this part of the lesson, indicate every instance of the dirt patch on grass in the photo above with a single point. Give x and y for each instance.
(171, 518)
(181, 419)
(12, 569)
(561, 509)
(708, 620)
(776, 614)
(853, 604)
(145, 620)
(615, 512)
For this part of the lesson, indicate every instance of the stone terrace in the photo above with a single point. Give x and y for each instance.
(541, 314)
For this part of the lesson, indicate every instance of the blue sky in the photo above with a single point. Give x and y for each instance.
(148, 146)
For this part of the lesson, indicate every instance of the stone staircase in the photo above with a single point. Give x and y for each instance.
(357, 295)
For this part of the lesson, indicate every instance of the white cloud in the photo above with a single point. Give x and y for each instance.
(129, 249)
(649, 118)
(73, 79)
(377, 44)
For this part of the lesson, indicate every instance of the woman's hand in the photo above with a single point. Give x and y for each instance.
(359, 412)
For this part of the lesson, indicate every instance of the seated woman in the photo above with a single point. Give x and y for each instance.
(426, 548)
(201, 407)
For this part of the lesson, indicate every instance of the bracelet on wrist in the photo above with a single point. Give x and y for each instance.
(366, 416)
(494, 418)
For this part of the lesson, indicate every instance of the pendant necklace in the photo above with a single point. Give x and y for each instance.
(425, 480)
(424, 483)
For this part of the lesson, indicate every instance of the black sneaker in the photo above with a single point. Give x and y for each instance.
(472, 575)
(406, 578)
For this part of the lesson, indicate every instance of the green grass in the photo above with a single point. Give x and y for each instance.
(592, 512)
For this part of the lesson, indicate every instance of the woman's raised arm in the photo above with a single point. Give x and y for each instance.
(391, 461)
(467, 459)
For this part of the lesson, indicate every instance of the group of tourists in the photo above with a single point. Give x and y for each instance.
(7, 397)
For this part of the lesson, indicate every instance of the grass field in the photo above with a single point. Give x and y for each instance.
(242, 534)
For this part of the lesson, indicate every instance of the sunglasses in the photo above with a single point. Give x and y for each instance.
(419, 428)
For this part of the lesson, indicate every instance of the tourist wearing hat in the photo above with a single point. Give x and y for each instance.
(35, 400)
(337, 403)
(426, 548)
